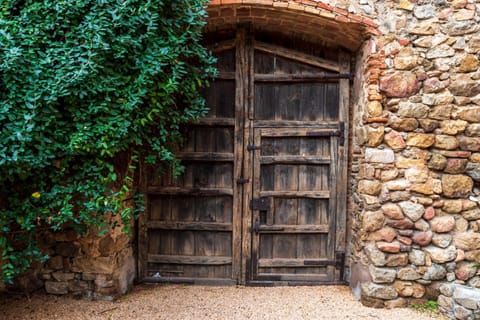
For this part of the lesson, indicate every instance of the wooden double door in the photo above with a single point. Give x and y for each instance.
(262, 198)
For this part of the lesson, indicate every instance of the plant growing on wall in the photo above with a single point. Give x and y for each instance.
(89, 89)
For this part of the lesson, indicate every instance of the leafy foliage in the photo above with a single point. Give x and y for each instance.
(429, 306)
(89, 90)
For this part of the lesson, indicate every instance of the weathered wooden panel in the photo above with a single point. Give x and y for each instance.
(273, 132)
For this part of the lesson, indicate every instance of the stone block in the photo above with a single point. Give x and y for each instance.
(467, 297)
(408, 273)
(63, 276)
(420, 140)
(446, 142)
(442, 224)
(399, 84)
(378, 291)
(467, 240)
(55, 287)
(469, 143)
(456, 186)
(441, 255)
(412, 210)
(473, 214)
(379, 156)
(435, 272)
(382, 275)
(465, 271)
(370, 187)
(462, 313)
(397, 260)
(442, 240)
(417, 257)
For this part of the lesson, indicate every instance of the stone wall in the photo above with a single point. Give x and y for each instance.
(415, 181)
(459, 301)
(89, 267)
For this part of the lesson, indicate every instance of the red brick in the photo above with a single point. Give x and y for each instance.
(231, 1)
(309, 3)
(340, 11)
(370, 22)
(324, 6)
(342, 19)
(354, 17)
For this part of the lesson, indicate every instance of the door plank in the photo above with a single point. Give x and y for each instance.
(297, 56)
(324, 194)
(182, 259)
(302, 263)
(194, 225)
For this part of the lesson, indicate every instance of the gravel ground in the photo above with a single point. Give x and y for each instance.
(198, 302)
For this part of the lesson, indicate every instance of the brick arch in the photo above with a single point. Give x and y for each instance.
(317, 21)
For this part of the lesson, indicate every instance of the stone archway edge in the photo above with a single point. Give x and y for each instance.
(310, 7)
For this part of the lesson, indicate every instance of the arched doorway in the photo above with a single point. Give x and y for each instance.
(263, 196)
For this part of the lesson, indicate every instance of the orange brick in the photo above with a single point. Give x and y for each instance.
(231, 1)
(355, 17)
(341, 18)
(369, 22)
(340, 11)
(324, 6)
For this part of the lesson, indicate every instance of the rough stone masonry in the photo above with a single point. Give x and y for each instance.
(414, 204)
(416, 214)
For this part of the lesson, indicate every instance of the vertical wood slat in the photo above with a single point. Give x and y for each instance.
(344, 106)
(241, 79)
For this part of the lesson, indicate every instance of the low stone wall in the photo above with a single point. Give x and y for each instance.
(458, 301)
(89, 267)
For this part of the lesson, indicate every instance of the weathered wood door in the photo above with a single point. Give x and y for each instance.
(262, 199)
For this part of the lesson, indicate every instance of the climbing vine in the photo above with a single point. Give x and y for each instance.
(89, 89)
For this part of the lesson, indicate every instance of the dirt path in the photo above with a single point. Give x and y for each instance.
(196, 302)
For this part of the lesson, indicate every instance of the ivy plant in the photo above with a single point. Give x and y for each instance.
(89, 89)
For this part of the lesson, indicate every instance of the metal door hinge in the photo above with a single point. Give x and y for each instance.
(262, 204)
(341, 135)
(252, 147)
(242, 181)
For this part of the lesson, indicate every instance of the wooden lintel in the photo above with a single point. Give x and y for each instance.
(296, 56)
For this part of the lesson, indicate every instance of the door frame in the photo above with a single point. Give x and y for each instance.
(243, 179)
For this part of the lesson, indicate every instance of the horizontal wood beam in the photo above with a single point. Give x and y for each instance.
(297, 56)
(206, 156)
(295, 159)
(309, 77)
(282, 262)
(224, 75)
(325, 194)
(287, 228)
(202, 260)
(295, 124)
(225, 122)
(294, 277)
(190, 225)
(298, 132)
(190, 191)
